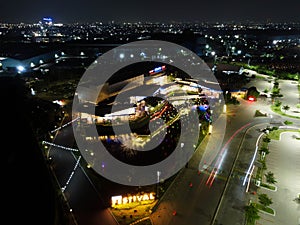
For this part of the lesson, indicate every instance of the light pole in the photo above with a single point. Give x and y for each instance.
(157, 184)
(181, 145)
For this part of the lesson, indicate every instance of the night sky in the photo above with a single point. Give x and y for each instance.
(69, 11)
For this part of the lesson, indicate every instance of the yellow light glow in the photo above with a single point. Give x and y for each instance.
(210, 129)
(224, 109)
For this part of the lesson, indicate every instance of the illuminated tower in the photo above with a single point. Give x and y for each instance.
(45, 25)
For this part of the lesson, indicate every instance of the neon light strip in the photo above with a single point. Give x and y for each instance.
(59, 146)
(254, 156)
(64, 125)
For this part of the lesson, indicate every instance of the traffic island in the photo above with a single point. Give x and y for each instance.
(264, 209)
(268, 186)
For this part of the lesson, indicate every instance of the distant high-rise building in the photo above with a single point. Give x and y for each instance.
(45, 25)
(48, 21)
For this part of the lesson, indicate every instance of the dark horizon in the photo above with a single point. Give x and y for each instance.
(155, 11)
(229, 22)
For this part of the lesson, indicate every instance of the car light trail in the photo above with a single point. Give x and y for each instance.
(254, 156)
(249, 179)
(215, 171)
(213, 174)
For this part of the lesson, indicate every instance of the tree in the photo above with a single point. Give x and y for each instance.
(251, 213)
(270, 177)
(273, 128)
(277, 103)
(264, 165)
(265, 200)
(266, 139)
(285, 108)
(276, 92)
(265, 150)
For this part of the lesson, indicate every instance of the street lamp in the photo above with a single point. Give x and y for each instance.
(157, 184)
(224, 108)
(181, 145)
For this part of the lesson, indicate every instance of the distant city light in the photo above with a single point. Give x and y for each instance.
(58, 24)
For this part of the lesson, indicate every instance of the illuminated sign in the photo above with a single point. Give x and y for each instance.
(47, 19)
(120, 200)
(157, 69)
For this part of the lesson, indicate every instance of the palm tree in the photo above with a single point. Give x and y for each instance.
(277, 103)
(251, 214)
(275, 92)
(270, 177)
(285, 108)
(266, 139)
(265, 200)
(264, 165)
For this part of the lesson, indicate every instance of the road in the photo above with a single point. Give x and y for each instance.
(231, 210)
(84, 200)
(197, 204)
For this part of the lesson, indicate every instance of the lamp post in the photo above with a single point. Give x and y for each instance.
(157, 184)
(181, 145)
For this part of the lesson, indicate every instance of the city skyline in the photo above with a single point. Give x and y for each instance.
(154, 11)
(151, 113)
